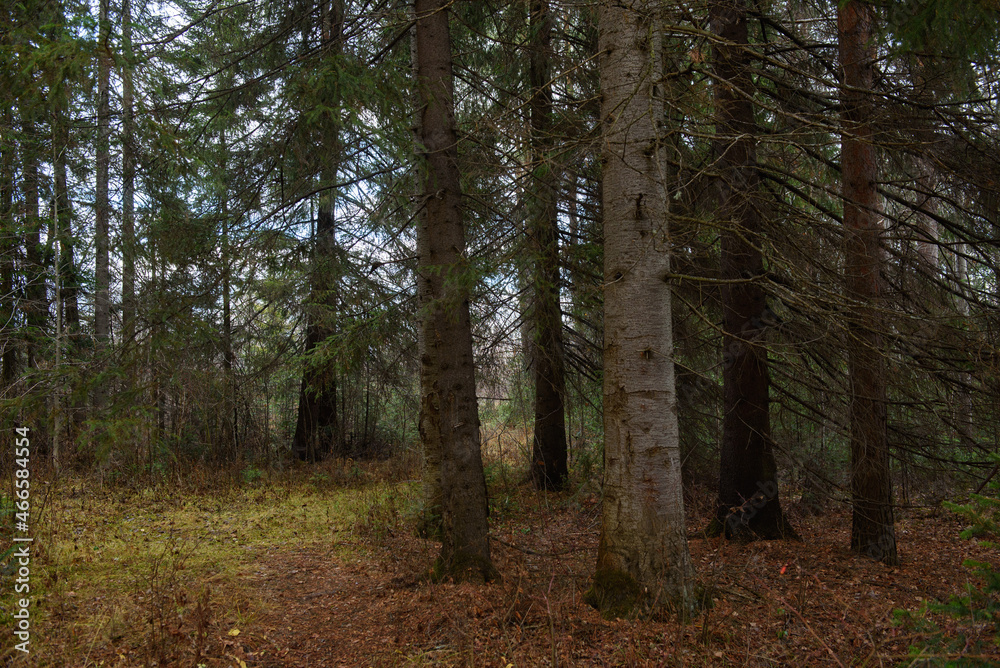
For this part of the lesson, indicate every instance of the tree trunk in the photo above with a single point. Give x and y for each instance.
(128, 180)
(430, 521)
(230, 447)
(8, 248)
(317, 428)
(872, 531)
(965, 418)
(448, 382)
(642, 561)
(36, 302)
(548, 457)
(102, 205)
(748, 504)
(68, 280)
(927, 228)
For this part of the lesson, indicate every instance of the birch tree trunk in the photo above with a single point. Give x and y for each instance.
(872, 531)
(448, 384)
(642, 562)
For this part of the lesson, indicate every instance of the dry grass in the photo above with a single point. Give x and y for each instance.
(319, 566)
(157, 572)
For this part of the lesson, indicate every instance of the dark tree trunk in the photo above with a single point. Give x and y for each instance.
(128, 180)
(748, 504)
(69, 282)
(548, 457)
(448, 383)
(317, 428)
(102, 204)
(36, 303)
(230, 442)
(872, 531)
(8, 247)
(430, 521)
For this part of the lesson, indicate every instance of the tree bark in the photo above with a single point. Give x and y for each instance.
(748, 505)
(8, 248)
(642, 561)
(872, 531)
(230, 445)
(448, 383)
(548, 457)
(128, 179)
(317, 427)
(102, 205)
(68, 280)
(430, 521)
(36, 301)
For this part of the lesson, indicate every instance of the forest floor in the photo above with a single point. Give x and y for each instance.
(321, 567)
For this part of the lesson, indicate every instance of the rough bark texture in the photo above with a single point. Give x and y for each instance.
(102, 205)
(872, 531)
(748, 504)
(36, 301)
(643, 561)
(965, 417)
(448, 384)
(317, 427)
(317, 430)
(548, 456)
(927, 228)
(8, 245)
(69, 282)
(128, 180)
(430, 522)
(230, 441)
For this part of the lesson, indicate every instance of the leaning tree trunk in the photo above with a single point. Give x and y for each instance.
(448, 383)
(748, 503)
(872, 531)
(642, 560)
(317, 428)
(548, 457)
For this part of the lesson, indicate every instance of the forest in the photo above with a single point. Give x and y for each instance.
(500, 333)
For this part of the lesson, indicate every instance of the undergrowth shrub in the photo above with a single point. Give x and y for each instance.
(178, 620)
(976, 612)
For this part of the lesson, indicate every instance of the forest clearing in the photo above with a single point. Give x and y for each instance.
(321, 567)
